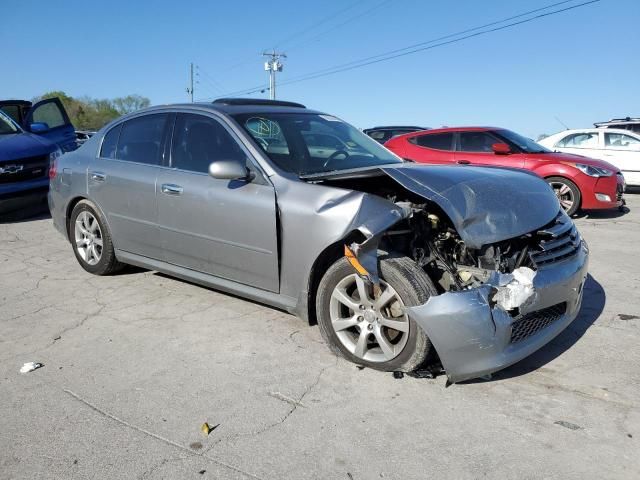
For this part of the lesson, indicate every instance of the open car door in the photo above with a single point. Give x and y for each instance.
(49, 119)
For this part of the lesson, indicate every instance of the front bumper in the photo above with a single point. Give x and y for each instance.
(613, 187)
(473, 338)
(14, 196)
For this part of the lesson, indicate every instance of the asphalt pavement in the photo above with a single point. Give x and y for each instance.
(135, 363)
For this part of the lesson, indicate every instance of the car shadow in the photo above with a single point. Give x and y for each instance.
(27, 214)
(593, 304)
(602, 214)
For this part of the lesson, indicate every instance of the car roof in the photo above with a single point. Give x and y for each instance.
(618, 121)
(238, 106)
(597, 130)
(461, 129)
(396, 127)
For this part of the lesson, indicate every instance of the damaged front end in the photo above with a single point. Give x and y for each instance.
(497, 302)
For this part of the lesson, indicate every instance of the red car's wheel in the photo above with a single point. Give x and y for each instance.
(567, 192)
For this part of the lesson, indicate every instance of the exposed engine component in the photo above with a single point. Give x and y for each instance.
(431, 240)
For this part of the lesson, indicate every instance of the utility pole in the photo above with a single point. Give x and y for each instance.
(273, 65)
(190, 88)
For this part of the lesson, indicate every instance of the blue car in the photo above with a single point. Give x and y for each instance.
(46, 118)
(24, 166)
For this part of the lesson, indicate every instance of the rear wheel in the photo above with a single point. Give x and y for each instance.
(371, 330)
(567, 192)
(91, 240)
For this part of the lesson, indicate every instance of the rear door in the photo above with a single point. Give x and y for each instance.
(225, 228)
(56, 124)
(122, 181)
(475, 147)
(623, 151)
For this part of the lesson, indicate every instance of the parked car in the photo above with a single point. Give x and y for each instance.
(627, 123)
(393, 260)
(46, 118)
(578, 182)
(83, 135)
(618, 147)
(24, 165)
(383, 134)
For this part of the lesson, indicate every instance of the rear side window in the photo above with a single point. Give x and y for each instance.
(620, 141)
(479, 142)
(199, 141)
(110, 143)
(141, 139)
(437, 141)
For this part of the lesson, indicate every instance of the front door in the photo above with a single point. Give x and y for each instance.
(475, 147)
(225, 228)
(122, 182)
(52, 122)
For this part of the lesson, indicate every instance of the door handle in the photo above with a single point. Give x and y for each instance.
(463, 162)
(171, 189)
(98, 176)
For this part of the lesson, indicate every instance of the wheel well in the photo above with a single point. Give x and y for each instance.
(327, 258)
(70, 207)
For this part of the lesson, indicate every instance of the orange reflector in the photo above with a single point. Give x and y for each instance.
(354, 261)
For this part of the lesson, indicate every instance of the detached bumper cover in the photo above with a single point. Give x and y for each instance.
(474, 338)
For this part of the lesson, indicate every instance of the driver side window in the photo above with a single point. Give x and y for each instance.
(199, 141)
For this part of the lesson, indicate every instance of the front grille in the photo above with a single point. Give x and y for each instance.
(23, 169)
(557, 241)
(533, 322)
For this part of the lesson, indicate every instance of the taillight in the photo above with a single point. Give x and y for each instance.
(53, 168)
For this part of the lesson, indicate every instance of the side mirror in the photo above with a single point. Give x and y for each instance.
(501, 149)
(38, 127)
(229, 170)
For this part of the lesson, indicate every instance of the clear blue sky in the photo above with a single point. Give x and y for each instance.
(582, 65)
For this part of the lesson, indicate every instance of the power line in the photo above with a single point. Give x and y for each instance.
(412, 48)
(331, 29)
(364, 62)
(317, 24)
(433, 40)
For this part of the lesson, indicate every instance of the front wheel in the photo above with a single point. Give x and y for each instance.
(567, 192)
(375, 330)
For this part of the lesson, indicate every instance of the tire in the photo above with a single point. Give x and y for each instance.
(88, 227)
(571, 193)
(412, 286)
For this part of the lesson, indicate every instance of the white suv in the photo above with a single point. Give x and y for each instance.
(616, 146)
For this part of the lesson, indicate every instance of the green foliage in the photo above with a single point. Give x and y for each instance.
(92, 114)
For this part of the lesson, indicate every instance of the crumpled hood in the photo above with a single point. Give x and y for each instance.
(485, 204)
(15, 146)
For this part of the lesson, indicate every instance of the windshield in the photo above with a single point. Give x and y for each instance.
(308, 143)
(523, 143)
(7, 125)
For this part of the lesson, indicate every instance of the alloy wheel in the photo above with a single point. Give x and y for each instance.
(374, 328)
(564, 194)
(88, 238)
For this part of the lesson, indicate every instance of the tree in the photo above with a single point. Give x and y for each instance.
(542, 136)
(130, 103)
(87, 113)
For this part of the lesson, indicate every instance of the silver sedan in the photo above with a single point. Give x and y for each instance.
(399, 264)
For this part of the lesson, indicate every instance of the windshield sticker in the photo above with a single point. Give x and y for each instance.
(263, 127)
(329, 118)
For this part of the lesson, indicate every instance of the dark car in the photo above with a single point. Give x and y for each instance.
(24, 165)
(46, 118)
(382, 134)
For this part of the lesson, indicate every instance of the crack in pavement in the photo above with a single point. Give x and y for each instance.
(165, 440)
(294, 406)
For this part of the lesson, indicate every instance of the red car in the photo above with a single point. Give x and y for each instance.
(579, 182)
